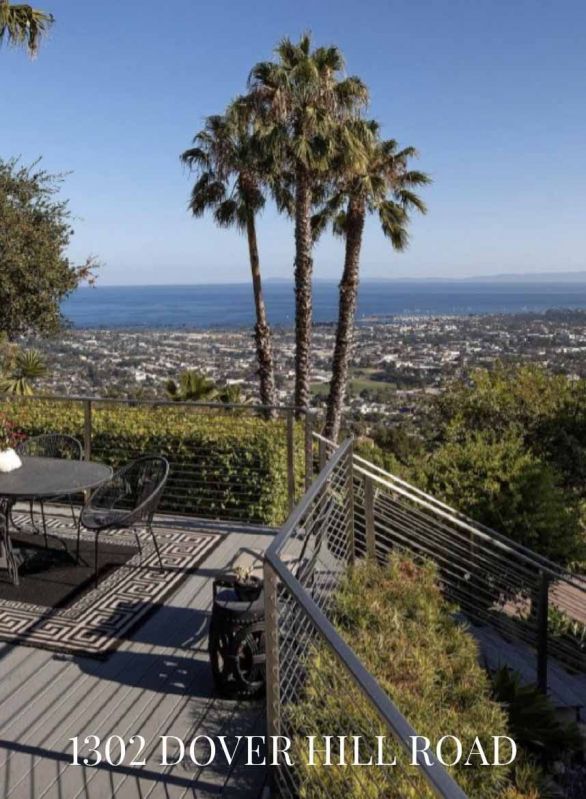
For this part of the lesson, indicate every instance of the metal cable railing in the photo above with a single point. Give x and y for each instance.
(316, 685)
(232, 462)
(493, 580)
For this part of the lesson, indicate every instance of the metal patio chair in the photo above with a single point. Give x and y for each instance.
(50, 445)
(127, 501)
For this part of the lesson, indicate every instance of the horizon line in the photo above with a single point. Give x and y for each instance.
(525, 276)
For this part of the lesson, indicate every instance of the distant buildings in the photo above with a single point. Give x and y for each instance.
(395, 361)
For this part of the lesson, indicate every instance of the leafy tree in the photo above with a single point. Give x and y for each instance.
(20, 369)
(497, 480)
(228, 163)
(192, 387)
(23, 26)
(399, 439)
(35, 231)
(548, 409)
(300, 99)
(373, 178)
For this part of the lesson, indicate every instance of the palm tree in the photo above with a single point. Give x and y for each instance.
(299, 99)
(228, 163)
(379, 182)
(23, 26)
(27, 366)
(192, 387)
(232, 395)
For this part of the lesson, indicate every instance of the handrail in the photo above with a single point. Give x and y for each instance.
(492, 578)
(156, 402)
(485, 533)
(206, 496)
(305, 502)
(438, 779)
(406, 489)
(444, 786)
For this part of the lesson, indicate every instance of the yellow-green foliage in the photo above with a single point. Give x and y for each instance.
(223, 464)
(403, 631)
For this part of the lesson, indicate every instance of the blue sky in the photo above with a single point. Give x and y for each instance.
(491, 92)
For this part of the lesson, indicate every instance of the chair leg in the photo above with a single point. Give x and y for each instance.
(78, 538)
(31, 510)
(43, 519)
(77, 550)
(13, 524)
(96, 558)
(72, 511)
(155, 542)
(135, 531)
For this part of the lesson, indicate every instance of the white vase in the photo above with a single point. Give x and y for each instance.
(9, 461)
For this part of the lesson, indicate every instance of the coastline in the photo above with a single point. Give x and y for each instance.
(231, 307)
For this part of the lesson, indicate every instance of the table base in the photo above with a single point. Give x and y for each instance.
(7, 559)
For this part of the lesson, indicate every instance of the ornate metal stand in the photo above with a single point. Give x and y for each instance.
(237, 641)
(6, 551)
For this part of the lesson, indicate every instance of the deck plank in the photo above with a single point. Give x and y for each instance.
(157, 682)
(567, 690)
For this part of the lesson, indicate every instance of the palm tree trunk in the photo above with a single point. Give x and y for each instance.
(262, 333)
(303, 294)
(346, 317)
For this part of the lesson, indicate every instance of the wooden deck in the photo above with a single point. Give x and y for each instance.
(157, 683)
(567, 690)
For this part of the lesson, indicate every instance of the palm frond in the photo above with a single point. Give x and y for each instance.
(23, 26)
(226, 214)
(409, 199)
(394, 220)
(352, 93)
(206, 193)
(340, 224)
(415, 178)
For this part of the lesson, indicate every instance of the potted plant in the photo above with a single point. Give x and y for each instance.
(247, 586)
(9, 438)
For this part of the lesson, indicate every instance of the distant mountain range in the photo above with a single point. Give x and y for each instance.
(524, 277)
(528, 277)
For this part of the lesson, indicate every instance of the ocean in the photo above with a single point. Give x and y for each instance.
(231, 306)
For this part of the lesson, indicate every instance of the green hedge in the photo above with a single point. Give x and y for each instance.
(224, 464)
(404, 633)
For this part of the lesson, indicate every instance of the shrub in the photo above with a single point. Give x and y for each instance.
(533, 720)
(496, 480)
(403, 631)
(223, 464)
(549, 410)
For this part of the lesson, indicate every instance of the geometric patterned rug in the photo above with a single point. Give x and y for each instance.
(97, 623)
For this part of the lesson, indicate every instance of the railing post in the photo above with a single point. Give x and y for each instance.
(323, 453)
(542, 631)
(272, 651)
(87, 429)
(308, 449)
(350, 490)
(369, 517)
(291, 459)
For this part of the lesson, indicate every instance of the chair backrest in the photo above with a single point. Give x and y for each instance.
(52, 445)
(136, 488)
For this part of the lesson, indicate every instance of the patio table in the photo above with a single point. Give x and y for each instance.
(42, 478)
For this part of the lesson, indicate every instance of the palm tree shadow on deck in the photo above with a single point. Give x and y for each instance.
(184, 670)
(165, 625)
(162, 673)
